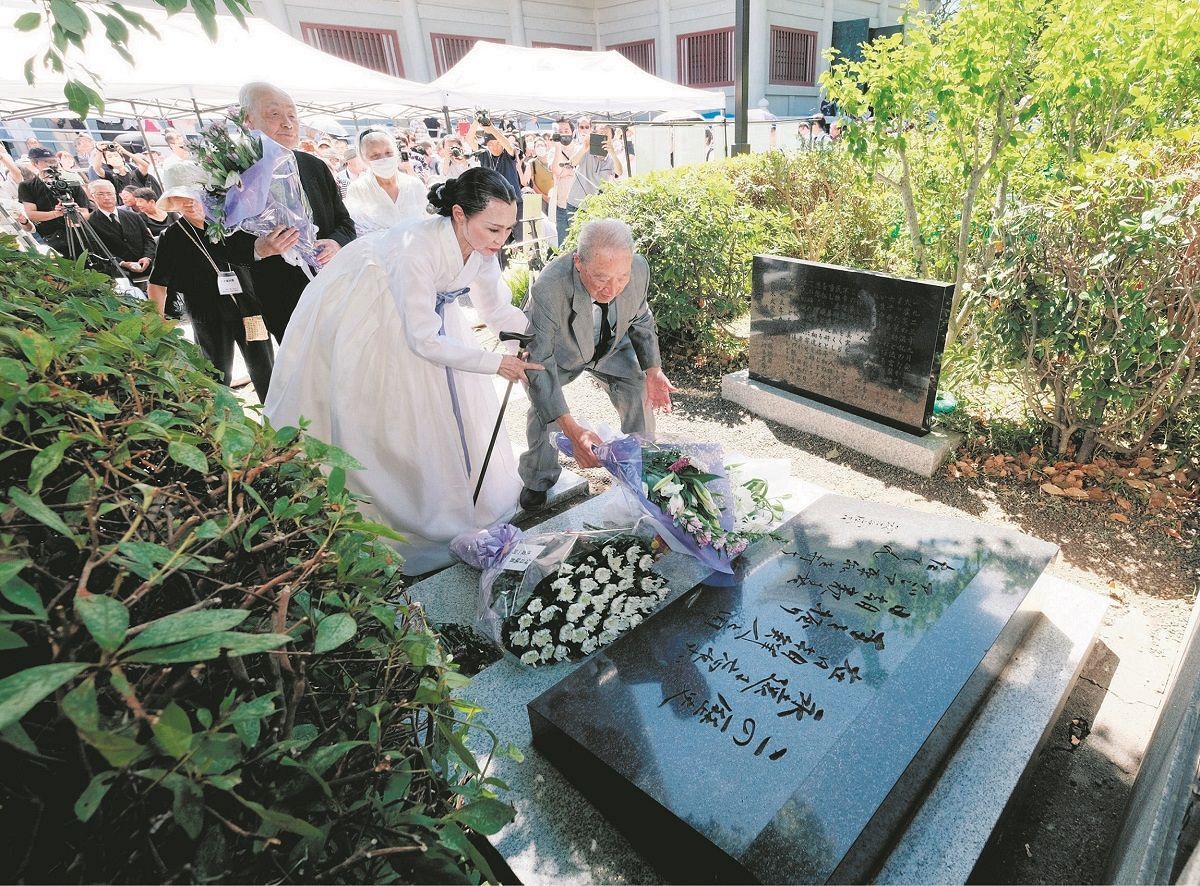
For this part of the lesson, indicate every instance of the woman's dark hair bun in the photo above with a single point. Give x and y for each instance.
(472, 190)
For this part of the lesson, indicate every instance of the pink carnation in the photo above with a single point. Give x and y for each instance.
(679, 465)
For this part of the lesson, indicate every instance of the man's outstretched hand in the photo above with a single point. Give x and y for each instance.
(582, 441)
(659, 389)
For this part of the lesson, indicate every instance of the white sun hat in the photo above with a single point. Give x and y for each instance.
(184, 179)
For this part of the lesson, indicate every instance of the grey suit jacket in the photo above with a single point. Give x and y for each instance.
(564, 334)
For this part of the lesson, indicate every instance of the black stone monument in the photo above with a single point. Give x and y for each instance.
(780, 727)
(867, 343)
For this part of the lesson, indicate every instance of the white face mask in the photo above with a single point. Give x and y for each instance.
(385, 167)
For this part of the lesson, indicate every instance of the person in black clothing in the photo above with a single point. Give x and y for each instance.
(113, 162)
(219, 296)
(145, 201)
(44, 207)
(499, 154)
(124, 233)
(278, 283)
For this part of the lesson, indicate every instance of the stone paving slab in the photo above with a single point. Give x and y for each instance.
(558, 837)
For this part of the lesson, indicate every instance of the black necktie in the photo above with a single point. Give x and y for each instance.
(606, 333)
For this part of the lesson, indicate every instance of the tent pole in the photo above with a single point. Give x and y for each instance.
(446, 117)
(196, 108)
(137, 114)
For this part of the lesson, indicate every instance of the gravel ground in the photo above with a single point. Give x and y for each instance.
(1065, 817)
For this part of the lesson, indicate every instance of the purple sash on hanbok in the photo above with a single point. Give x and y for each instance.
(443, 299)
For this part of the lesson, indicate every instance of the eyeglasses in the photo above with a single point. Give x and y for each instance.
(585, 126)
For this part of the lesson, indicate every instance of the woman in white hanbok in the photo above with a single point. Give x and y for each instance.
(386, 195)
(382, 362)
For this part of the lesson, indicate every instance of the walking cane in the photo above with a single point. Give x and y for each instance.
(522, 353)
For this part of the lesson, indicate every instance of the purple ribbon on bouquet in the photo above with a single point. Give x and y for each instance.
(487, 548)
(443, 299)
(622, 458)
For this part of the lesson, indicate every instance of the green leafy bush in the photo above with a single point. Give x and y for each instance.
(517, 277)
(698, 239)
(817, 206)
(700, 226)
(1093, 305)
(201, 675)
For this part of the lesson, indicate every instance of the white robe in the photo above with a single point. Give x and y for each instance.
(373, 210)
(363, 360)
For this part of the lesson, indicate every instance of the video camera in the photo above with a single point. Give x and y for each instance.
(456, 152)
(483, 117)
(563, 139)
(61, 188)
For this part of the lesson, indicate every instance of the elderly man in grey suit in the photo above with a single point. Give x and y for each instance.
(588, 311)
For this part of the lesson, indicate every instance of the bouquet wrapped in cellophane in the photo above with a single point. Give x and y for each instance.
(560, 596)
(700, 505)
(254, 186)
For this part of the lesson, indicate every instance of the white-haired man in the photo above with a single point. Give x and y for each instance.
(277, 283)
(588, 311)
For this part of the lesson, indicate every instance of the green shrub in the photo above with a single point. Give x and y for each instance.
(700, 226)
(517, 277)
(202, 676)
(1093, 305)
(817, 206)
(698, 239)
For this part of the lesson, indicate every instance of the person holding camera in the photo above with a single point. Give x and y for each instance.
(595, 160)
(499, 154)
(52, 203)
(109, 164)
(386, 195)
(452, 159)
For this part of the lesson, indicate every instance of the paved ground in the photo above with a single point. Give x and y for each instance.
(1060, 826)
(1063, 821)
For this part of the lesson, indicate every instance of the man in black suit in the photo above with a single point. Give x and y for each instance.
(124, 233)
(277, 283)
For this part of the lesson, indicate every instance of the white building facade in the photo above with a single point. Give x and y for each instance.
(679, 40)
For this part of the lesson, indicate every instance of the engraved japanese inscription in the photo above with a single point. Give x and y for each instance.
(865, 342)
(779, 728)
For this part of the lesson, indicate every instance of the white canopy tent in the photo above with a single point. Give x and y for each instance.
(516, 78)
(181, 70)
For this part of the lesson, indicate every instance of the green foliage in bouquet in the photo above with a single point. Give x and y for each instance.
(201, 678)
(227, 149)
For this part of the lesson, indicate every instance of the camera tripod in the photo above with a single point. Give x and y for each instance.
(82, 237)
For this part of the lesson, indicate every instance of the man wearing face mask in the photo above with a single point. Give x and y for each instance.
(385, 195)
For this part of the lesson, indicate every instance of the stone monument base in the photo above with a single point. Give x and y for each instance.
(559, 837)
(921, 455)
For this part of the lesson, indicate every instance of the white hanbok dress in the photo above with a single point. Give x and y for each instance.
(368, 361)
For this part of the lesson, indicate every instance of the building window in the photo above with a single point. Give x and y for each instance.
(372, 48)
(449, 49)
(793, 57)
(640, 52)
(706, 58)
(539, 44)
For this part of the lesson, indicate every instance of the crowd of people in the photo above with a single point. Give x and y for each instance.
(373, 347)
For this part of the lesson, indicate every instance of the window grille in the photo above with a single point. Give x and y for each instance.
(793, 57)
(640, 52)
(449, 49)
(706, 58)
(372, 48)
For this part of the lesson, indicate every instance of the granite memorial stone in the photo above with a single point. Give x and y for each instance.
(781, 726)
(864, 342)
